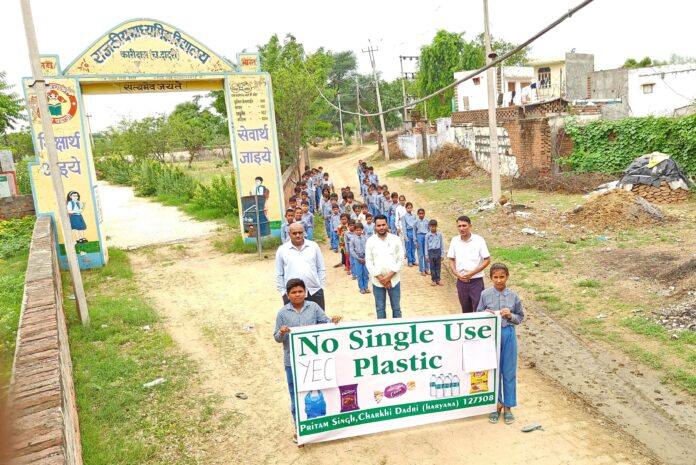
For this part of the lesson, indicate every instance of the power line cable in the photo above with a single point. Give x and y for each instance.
(474, 73)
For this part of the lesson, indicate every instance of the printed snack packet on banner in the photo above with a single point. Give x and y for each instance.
(349, 397)
(479, 382)
(395, 390)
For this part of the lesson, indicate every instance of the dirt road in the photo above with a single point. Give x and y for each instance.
(221, 308)
(132, 222)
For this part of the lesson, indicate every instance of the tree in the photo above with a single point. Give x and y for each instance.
(19, 143)
(449, 53)
(296, 78)
(645, 62)
(193, 127)
(11, 106)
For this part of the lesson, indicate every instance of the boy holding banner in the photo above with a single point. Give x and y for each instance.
(505, 301)
(297, 312)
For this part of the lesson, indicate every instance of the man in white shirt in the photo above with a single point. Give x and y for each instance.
(468, 257)
(301, 258)
(384, 258)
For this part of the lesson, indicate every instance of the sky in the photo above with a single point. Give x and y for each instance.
(612, 30)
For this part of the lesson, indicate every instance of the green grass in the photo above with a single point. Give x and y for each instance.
(205, 170)
(646, 327)
(11, 290)
(237, 245)
(651, 359)
(524, 254)
(121, 422)
(683, 379)
(590, 283)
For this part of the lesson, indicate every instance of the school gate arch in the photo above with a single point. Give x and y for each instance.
(143, 56)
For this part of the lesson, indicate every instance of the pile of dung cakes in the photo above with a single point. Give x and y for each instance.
(615, 209)
(663, 194)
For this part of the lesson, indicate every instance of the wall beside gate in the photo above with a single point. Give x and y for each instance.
(41, 396)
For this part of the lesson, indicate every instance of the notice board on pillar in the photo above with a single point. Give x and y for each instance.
(253, 132)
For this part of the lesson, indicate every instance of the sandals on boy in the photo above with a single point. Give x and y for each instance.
(509, 417)
(493, 417)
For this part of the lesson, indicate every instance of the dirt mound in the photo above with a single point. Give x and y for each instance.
(566, 183)
(448, 162)
(616, 209)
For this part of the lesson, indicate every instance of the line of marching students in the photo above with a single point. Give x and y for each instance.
(349, 222)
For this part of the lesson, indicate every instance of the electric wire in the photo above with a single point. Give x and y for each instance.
(474, 73)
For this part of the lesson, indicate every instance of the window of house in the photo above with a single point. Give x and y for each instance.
(477, 81)
(648, 88)
(544, 77)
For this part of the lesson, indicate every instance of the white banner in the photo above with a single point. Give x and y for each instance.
(364, 377)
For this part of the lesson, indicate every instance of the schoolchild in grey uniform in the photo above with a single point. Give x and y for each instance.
(308, 220)
(289, 218)
(500, 298)
(421, 228)
(357, 253)
(408, 223)
(435, 250)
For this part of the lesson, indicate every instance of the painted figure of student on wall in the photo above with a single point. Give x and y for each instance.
(77, 221)
(263, 192)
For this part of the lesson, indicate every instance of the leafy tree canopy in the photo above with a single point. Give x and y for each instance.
(11, 106)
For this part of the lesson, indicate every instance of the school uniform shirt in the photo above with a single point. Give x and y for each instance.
(335, 221)
(492, 299)
(374, 179)
(422, 226)
(391, 209)
(311, 314)
(284, 232)
(408, 221)
(357, 246)
(364, 190)
(348, 207)
(305, 263)
(325, 208)
(369, 229)
(308, 219)
(327, 184)
(348, 237)
(399, 212)
(361, 218)
(383, 256)
(469, 254)
(434, 241)
(302, 222)
(382, 204)
(372, 199)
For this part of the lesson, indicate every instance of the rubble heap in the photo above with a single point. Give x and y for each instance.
(657, 178)
(616, 209)
(680, 317)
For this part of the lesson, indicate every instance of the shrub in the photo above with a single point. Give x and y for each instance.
(22, 173)
(15, 236)
(609, 146)
(221, 195)
(116, 169)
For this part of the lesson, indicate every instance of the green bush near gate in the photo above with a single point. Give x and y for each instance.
(173, 186)
(609, 146)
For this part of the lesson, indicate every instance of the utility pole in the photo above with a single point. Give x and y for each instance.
(404, 77)
(340, 115)
(39, 86)
(492, 123)
(385, 144)
(357, 96)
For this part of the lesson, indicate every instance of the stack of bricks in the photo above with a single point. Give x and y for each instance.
(41, 396)
(662, 194)
(16, 207)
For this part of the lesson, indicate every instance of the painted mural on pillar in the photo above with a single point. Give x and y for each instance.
(76, 170)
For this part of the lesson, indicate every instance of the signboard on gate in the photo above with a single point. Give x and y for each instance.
(366, 377)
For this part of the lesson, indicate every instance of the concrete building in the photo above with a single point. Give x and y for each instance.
(660, 90)
(562, 76)
(473, 94)
(652, 91)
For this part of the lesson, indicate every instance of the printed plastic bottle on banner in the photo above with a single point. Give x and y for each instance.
(439, 387)
(433, 386)
(447, 388)
(455, 386)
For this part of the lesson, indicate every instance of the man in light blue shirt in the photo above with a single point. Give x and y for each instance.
(301, 258)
